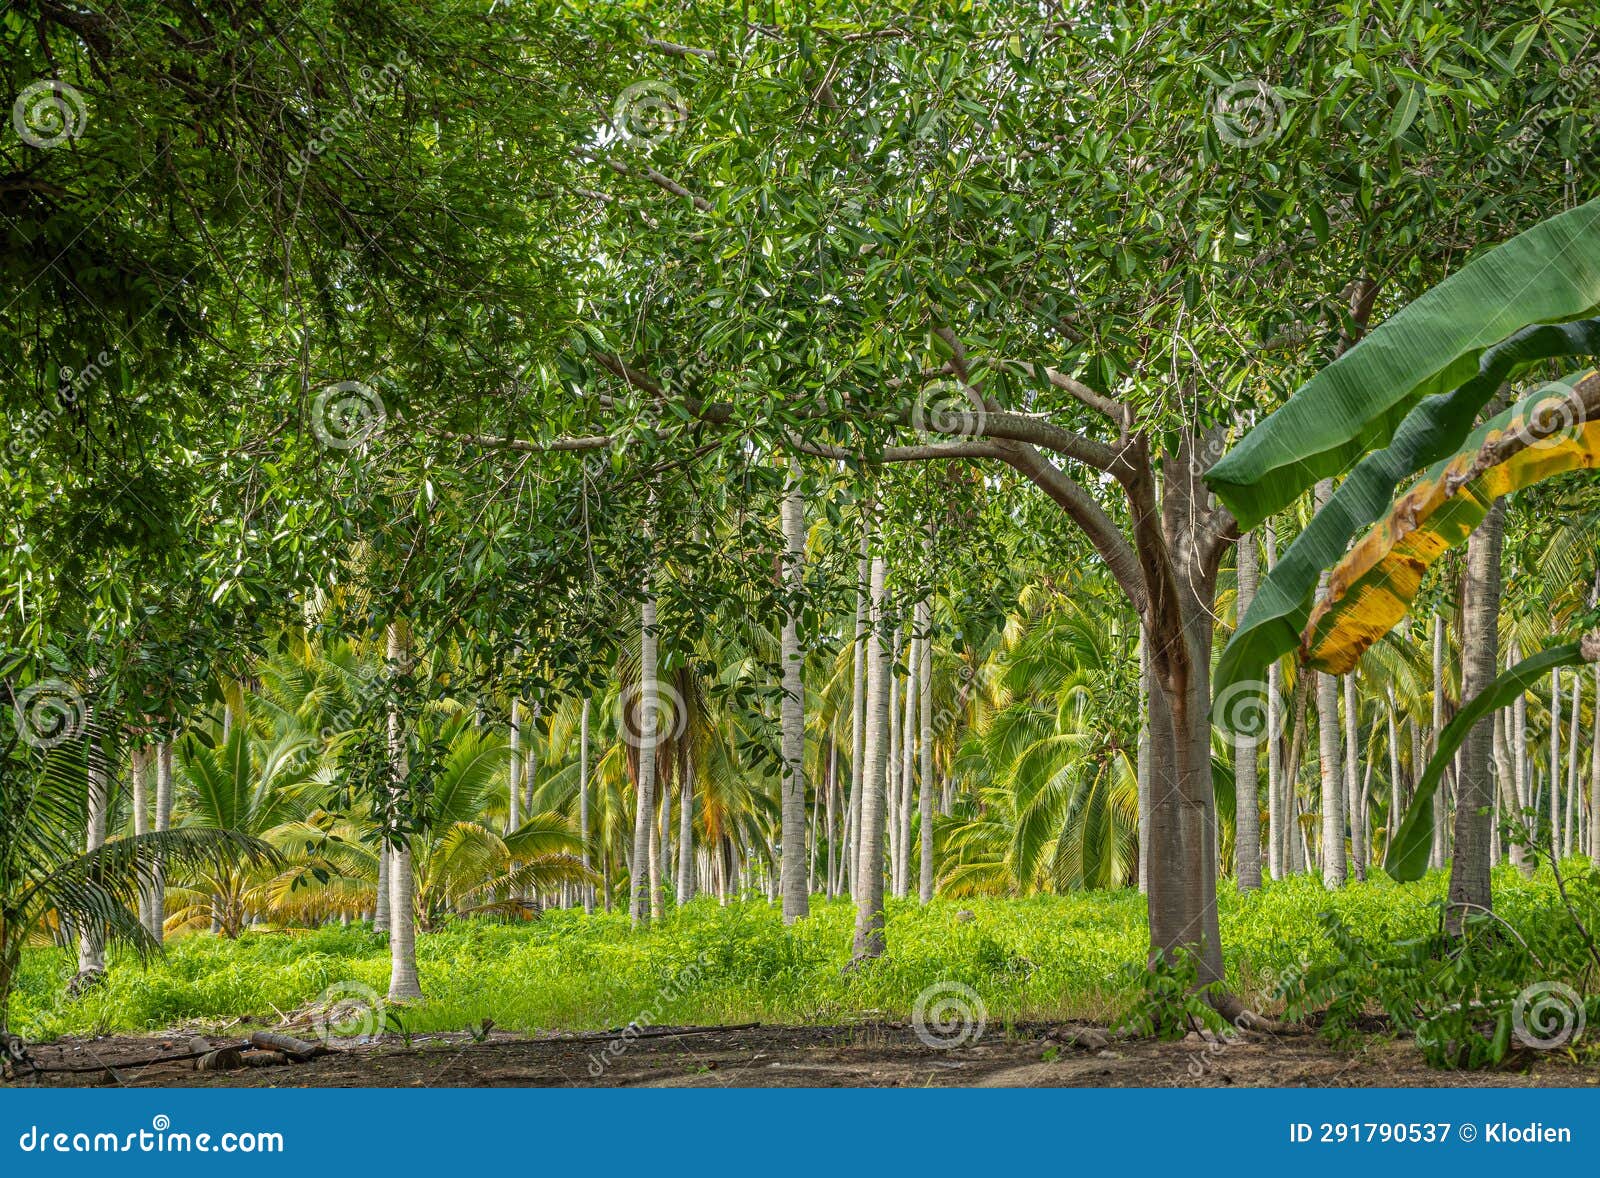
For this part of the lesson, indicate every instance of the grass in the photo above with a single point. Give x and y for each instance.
(1044, 957)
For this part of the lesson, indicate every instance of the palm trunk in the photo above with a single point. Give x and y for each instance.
(158, 888)
(792, 866)
(1143, 768)
(1441, 810)
(1569, 826)
(139, 763)
(583, 799)
(858, 707)
(403, 983)
(925, 785)
(1555, 762)
(1352, 774)
(644, 788)
(908, 753)
(686, 855)
(514, 769)
(832, 845)
(1480, 659)
(1396, 806)
(1594, 777)
(1332, 771)
(869, 868)
(660, 847)
(91, 937)
(891, 810)
(1247, 786)
(1277, 809)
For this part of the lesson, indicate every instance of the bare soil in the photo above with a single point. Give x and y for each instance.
(869, 1056)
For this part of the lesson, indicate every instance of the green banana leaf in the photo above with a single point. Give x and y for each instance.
(1407, 858)
(1433, 431)
(1548, 274)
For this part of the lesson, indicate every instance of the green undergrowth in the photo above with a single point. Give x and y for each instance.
(1044, 957)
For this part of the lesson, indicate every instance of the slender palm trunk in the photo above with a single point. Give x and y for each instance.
(869, 869)
(832, 846)
(139, 763)
(1395, 804)
(1247, 786)
(1555, 762)
(158, 889)
(792, 710)
(908, 753)
(1143, 767)
(1441, 809)
(1594, 776)
(686, 850)
(583, 798)
(514, 769)
(1569, 825)
(644, 787)
(1277, 839)
(91, 937)
(1352, 774)
(891, 817)
(858, 707)
(1480, 659)
(925, 784)
(1333, 786)
(660, 849)
(403, 983)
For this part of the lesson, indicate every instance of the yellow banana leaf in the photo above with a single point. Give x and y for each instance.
(1372, 587)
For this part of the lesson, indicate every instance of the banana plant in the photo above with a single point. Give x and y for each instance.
(1404, 398)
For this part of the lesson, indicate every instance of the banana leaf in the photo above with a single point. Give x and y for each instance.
(1432, 433)
(1407, 858)
(1372, 588)
(1440, 341)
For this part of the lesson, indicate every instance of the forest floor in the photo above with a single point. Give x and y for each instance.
(885, 1055)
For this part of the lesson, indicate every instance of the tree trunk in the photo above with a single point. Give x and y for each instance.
(858, 707)
(1396, 806)
(925, 784)
(908, 753)
(583, 799)
(645, 784)
(1441, 811)
(1555, 762)
(686, 855)
(1352, 775)
(91, 937)
(891, 808)
(1480, 659)
(832, 845)
(792, 866)
(403, 983)
(1520, 766)
(1594, 776)
(1247, 794)
(139, 762)
(1277, 808)
(1332, 771)
(1144, 762)
(158, 889)
(660, 850)
(514, 769)
(869, 868)
(1569, 825)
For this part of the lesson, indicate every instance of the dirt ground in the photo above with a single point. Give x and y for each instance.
(873, 1055)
